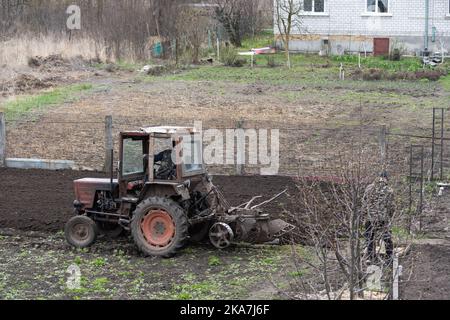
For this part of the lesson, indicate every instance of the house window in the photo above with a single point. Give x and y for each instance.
(378, 6)
(314, 6)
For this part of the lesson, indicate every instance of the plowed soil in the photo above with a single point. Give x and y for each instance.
(40, 200)
(426, 273)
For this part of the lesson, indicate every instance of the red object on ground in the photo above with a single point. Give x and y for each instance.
(266, 50)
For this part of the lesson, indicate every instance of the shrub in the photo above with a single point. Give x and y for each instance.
(432, 75)
(373, 74)
(230, 57)
(271, 63)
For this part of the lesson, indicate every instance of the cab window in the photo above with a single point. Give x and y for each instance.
(133, 160)
(192, 155)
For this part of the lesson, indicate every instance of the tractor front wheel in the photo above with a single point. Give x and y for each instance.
(159, 227)
(81, 232)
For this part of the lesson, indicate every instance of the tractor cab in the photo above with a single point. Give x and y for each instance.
(151, 160)
(164, 197)
(158, 155)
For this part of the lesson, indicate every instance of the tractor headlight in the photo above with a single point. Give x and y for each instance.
(77, 204)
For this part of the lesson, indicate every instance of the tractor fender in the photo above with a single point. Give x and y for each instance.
(165, 190)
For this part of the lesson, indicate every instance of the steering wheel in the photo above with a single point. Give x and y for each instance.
(166, 168)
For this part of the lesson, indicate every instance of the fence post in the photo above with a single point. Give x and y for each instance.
(383, 146)
(2, 139)
(240, 148)
(109, 144)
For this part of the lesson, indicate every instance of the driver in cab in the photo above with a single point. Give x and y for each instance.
(167, 168)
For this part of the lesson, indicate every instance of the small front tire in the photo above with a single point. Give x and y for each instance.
(81, 231)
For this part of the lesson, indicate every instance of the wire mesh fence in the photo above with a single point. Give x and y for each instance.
(298, 151)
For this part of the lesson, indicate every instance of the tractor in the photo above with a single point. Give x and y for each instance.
(164, 196)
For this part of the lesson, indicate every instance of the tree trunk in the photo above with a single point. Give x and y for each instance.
(288, 55)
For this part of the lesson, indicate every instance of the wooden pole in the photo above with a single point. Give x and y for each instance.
(109, 144)
(2, 139)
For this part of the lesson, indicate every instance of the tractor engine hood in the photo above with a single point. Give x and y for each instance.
(86, 189)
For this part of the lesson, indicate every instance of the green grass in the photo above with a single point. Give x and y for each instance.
(214, 261)
(99, 262)
(445, 83)
(24, 104)
(265, 39)
(405, 64)
(311, 71)
(247, 75)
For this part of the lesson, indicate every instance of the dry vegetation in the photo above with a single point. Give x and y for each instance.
(15, 53)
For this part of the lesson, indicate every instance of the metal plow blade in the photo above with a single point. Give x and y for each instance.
(278, 228)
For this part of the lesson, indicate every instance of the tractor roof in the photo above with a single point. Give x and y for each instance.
(169, 130)
(166, 130)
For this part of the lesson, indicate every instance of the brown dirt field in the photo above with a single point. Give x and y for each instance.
(40, 200)
(34, 255)
(324, 117)
(427, 273)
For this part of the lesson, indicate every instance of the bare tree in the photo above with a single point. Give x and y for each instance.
(192, 27)
(333, 220)
(239, 18)
(287, 18)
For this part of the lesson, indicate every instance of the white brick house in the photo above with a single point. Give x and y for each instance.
(372, 25)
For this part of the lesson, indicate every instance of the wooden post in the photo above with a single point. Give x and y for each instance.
(2, 139)
(109, 144)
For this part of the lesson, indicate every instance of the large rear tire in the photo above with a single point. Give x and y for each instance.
(159, 227)
(81, 231)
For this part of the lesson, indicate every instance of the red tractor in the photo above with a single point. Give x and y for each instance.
(165, 197)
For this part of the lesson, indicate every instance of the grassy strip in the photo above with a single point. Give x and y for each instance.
(22, 105)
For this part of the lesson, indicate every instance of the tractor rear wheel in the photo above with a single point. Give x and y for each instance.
(159, 227)
(81, 232)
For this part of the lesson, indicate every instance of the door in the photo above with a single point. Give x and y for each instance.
(134, 160)
(381, 46)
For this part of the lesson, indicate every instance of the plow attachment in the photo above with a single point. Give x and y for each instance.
(246, 223)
